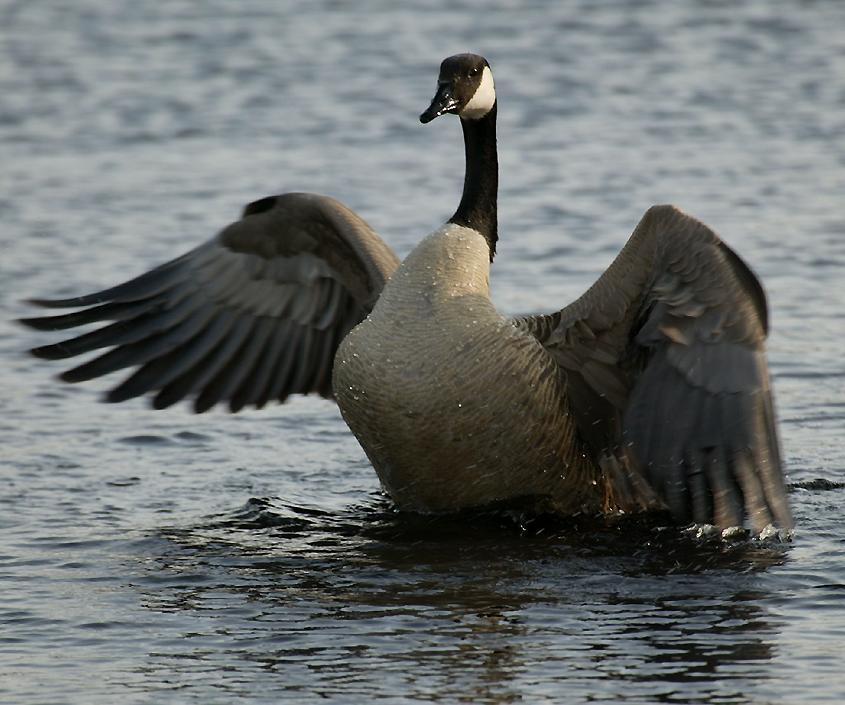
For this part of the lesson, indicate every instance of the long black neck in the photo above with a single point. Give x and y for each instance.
(477, 209)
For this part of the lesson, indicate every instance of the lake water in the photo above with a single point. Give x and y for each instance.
(162, 557)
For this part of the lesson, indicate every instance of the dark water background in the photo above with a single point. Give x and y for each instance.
(161, 557)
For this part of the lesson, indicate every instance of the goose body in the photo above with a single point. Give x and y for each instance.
(650, 391)
(491, 427)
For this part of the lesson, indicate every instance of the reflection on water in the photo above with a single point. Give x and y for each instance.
(477, 609)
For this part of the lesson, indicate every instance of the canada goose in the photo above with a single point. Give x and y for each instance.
(650, 391)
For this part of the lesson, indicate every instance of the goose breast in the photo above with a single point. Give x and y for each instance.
(453, 404)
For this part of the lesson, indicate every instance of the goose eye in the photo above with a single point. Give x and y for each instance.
(473, 72)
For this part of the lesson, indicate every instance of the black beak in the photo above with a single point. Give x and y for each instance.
(443, 102)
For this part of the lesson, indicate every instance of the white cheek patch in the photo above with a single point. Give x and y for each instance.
(483, 98)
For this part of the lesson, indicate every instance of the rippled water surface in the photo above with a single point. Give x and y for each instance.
(161, 557)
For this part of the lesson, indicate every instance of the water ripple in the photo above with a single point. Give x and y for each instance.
(251, 558)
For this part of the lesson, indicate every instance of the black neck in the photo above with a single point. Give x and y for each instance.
(477, 209)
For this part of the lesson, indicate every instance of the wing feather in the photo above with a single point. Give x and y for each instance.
(254, 314)
(203, 360)
(666, 360)
(141, 287)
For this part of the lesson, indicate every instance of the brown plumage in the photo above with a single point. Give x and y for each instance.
(650, 391)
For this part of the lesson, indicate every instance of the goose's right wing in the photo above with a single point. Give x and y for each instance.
(254, 314)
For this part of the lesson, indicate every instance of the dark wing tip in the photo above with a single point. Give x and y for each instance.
(73, 376)
(36, 323)
(55, 351)
(75, 301)
(44, 303)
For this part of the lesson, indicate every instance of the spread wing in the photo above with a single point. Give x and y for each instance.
(666, 369)
(254, 314)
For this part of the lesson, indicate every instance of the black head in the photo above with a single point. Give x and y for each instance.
(464, 87)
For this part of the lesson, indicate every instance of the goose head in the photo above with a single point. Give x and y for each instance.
(464, 88)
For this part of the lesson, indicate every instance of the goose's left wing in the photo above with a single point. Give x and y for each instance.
(254, 314)
(666, 369)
